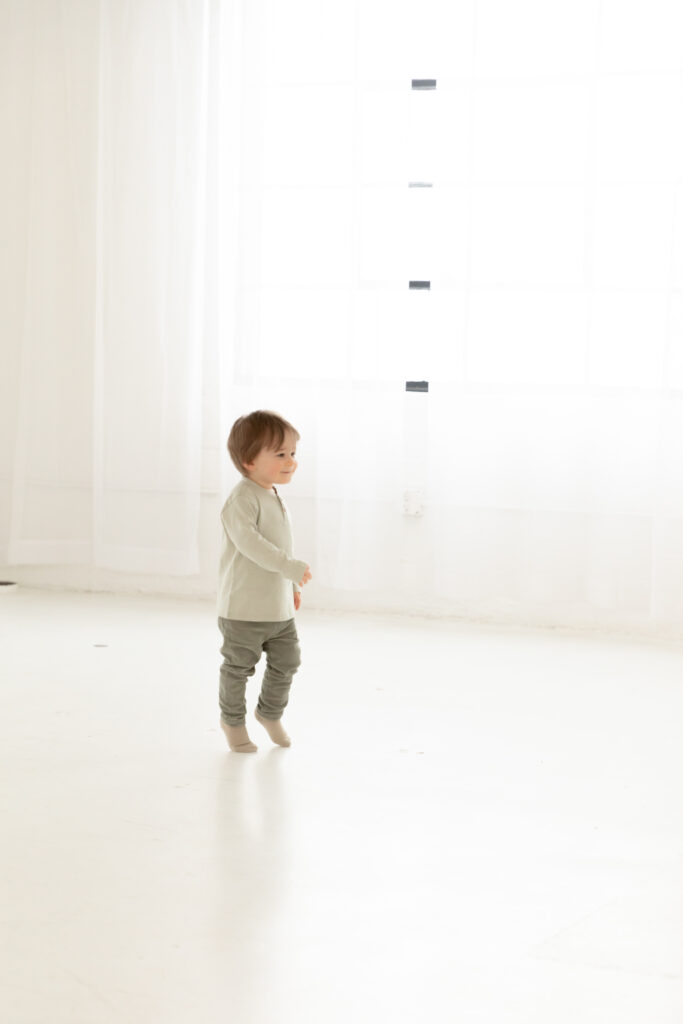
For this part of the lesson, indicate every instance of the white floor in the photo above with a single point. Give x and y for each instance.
(473, 824)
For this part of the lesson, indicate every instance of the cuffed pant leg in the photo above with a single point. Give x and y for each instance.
(283, 656)
(241, 650)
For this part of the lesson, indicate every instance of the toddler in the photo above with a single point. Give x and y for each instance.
(259, 581)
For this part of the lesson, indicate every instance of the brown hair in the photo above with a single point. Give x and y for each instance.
(250, 434)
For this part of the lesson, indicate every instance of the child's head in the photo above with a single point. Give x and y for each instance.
(260, 438)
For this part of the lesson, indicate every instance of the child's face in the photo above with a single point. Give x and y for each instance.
(274, 466)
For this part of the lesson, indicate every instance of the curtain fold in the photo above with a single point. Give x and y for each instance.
(52, 329)
(107, 460)
(152, 214)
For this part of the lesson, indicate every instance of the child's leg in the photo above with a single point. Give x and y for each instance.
(283, 659)
(241, 650)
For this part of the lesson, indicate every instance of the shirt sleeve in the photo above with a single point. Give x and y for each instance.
(239, 520)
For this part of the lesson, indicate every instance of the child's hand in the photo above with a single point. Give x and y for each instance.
(307, 577)
(297, 600)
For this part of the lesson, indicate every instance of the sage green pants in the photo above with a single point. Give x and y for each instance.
(243, 644)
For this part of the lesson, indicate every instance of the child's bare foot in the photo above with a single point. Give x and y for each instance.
(238, 738)
(274, 730)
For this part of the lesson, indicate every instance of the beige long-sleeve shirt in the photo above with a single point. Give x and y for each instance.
(256, 571)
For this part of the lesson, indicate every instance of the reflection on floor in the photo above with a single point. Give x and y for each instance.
(472, 825)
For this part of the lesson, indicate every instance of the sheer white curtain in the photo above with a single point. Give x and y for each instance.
(219, 205)
(538, 189)
(109, 157)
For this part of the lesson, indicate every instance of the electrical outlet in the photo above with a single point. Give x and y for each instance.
(413, 503)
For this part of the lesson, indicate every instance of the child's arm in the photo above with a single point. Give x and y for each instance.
(297, 589)
(240, 524)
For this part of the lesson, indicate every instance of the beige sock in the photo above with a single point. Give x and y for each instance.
(274, 730)
(238, 738)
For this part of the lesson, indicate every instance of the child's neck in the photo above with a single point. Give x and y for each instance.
(265, 487)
